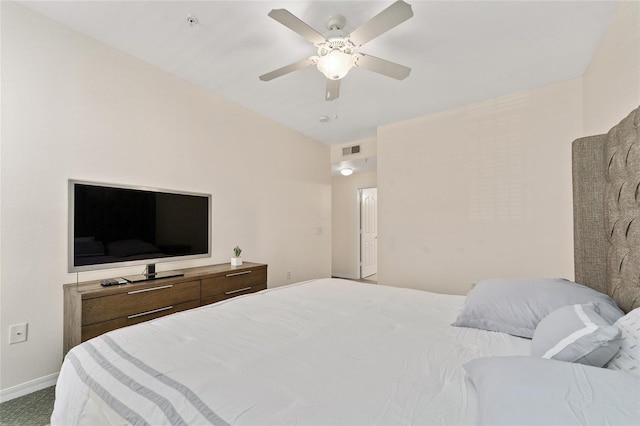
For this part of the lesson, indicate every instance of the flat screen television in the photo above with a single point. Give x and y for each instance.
(114, 226)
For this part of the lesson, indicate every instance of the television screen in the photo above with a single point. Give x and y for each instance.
(113, 226)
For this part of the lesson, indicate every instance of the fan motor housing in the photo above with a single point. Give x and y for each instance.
(336, 43)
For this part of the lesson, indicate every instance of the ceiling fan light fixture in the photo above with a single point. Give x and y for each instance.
(335, 64)
(337, 52)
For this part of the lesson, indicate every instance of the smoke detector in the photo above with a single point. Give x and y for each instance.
(192, 20)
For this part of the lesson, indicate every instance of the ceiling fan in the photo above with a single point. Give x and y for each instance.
(338, 53)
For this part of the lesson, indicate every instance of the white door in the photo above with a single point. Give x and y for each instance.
(368, 232)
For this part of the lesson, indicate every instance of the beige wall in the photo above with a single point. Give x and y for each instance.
(485, 190)
(479, 191)
(611, 83)
(74, 108)
(344, 202)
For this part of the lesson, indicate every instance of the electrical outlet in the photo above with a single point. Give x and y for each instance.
(288, 275)
(18, 333)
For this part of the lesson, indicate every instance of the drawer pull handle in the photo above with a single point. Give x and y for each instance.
(144, 290)
(237, 291)
(238, 273)
(141, 314)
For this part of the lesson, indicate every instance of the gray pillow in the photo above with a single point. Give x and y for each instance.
(517, 306)
(536, 391)
(576, 333)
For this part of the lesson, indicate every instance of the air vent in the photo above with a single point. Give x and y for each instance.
(355, 149)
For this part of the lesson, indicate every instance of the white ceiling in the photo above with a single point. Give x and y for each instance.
(459, 51)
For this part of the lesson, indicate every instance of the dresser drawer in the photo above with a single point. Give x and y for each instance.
(138, 302)
(233, 293)
(93, 330)
(234, 283)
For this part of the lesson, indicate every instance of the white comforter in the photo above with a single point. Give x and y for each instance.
(323, 352)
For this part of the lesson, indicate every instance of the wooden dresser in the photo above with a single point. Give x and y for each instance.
(91, 309)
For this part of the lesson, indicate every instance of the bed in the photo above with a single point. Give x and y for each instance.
(332, 351)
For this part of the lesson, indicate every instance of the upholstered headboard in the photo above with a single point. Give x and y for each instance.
(606, 211)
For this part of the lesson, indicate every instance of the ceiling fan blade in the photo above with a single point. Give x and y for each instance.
(302, 63)
(382, 66)
(393, 15)
(294, 23)
(333, 90)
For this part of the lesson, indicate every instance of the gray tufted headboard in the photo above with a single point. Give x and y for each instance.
(606, 211)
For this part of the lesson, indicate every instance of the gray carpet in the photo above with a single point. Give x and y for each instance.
(33, 409)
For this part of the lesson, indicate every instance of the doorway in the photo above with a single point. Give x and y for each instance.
(368, 234)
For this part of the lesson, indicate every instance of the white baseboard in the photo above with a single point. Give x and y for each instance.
(28, 387)
(345, 276)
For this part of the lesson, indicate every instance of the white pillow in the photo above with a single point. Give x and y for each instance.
(576, 333)
(628, 357)
(517, 306)
(535, 391)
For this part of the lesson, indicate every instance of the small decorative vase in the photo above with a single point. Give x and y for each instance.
(236, 261)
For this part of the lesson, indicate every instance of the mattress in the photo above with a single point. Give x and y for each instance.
(326, 351)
